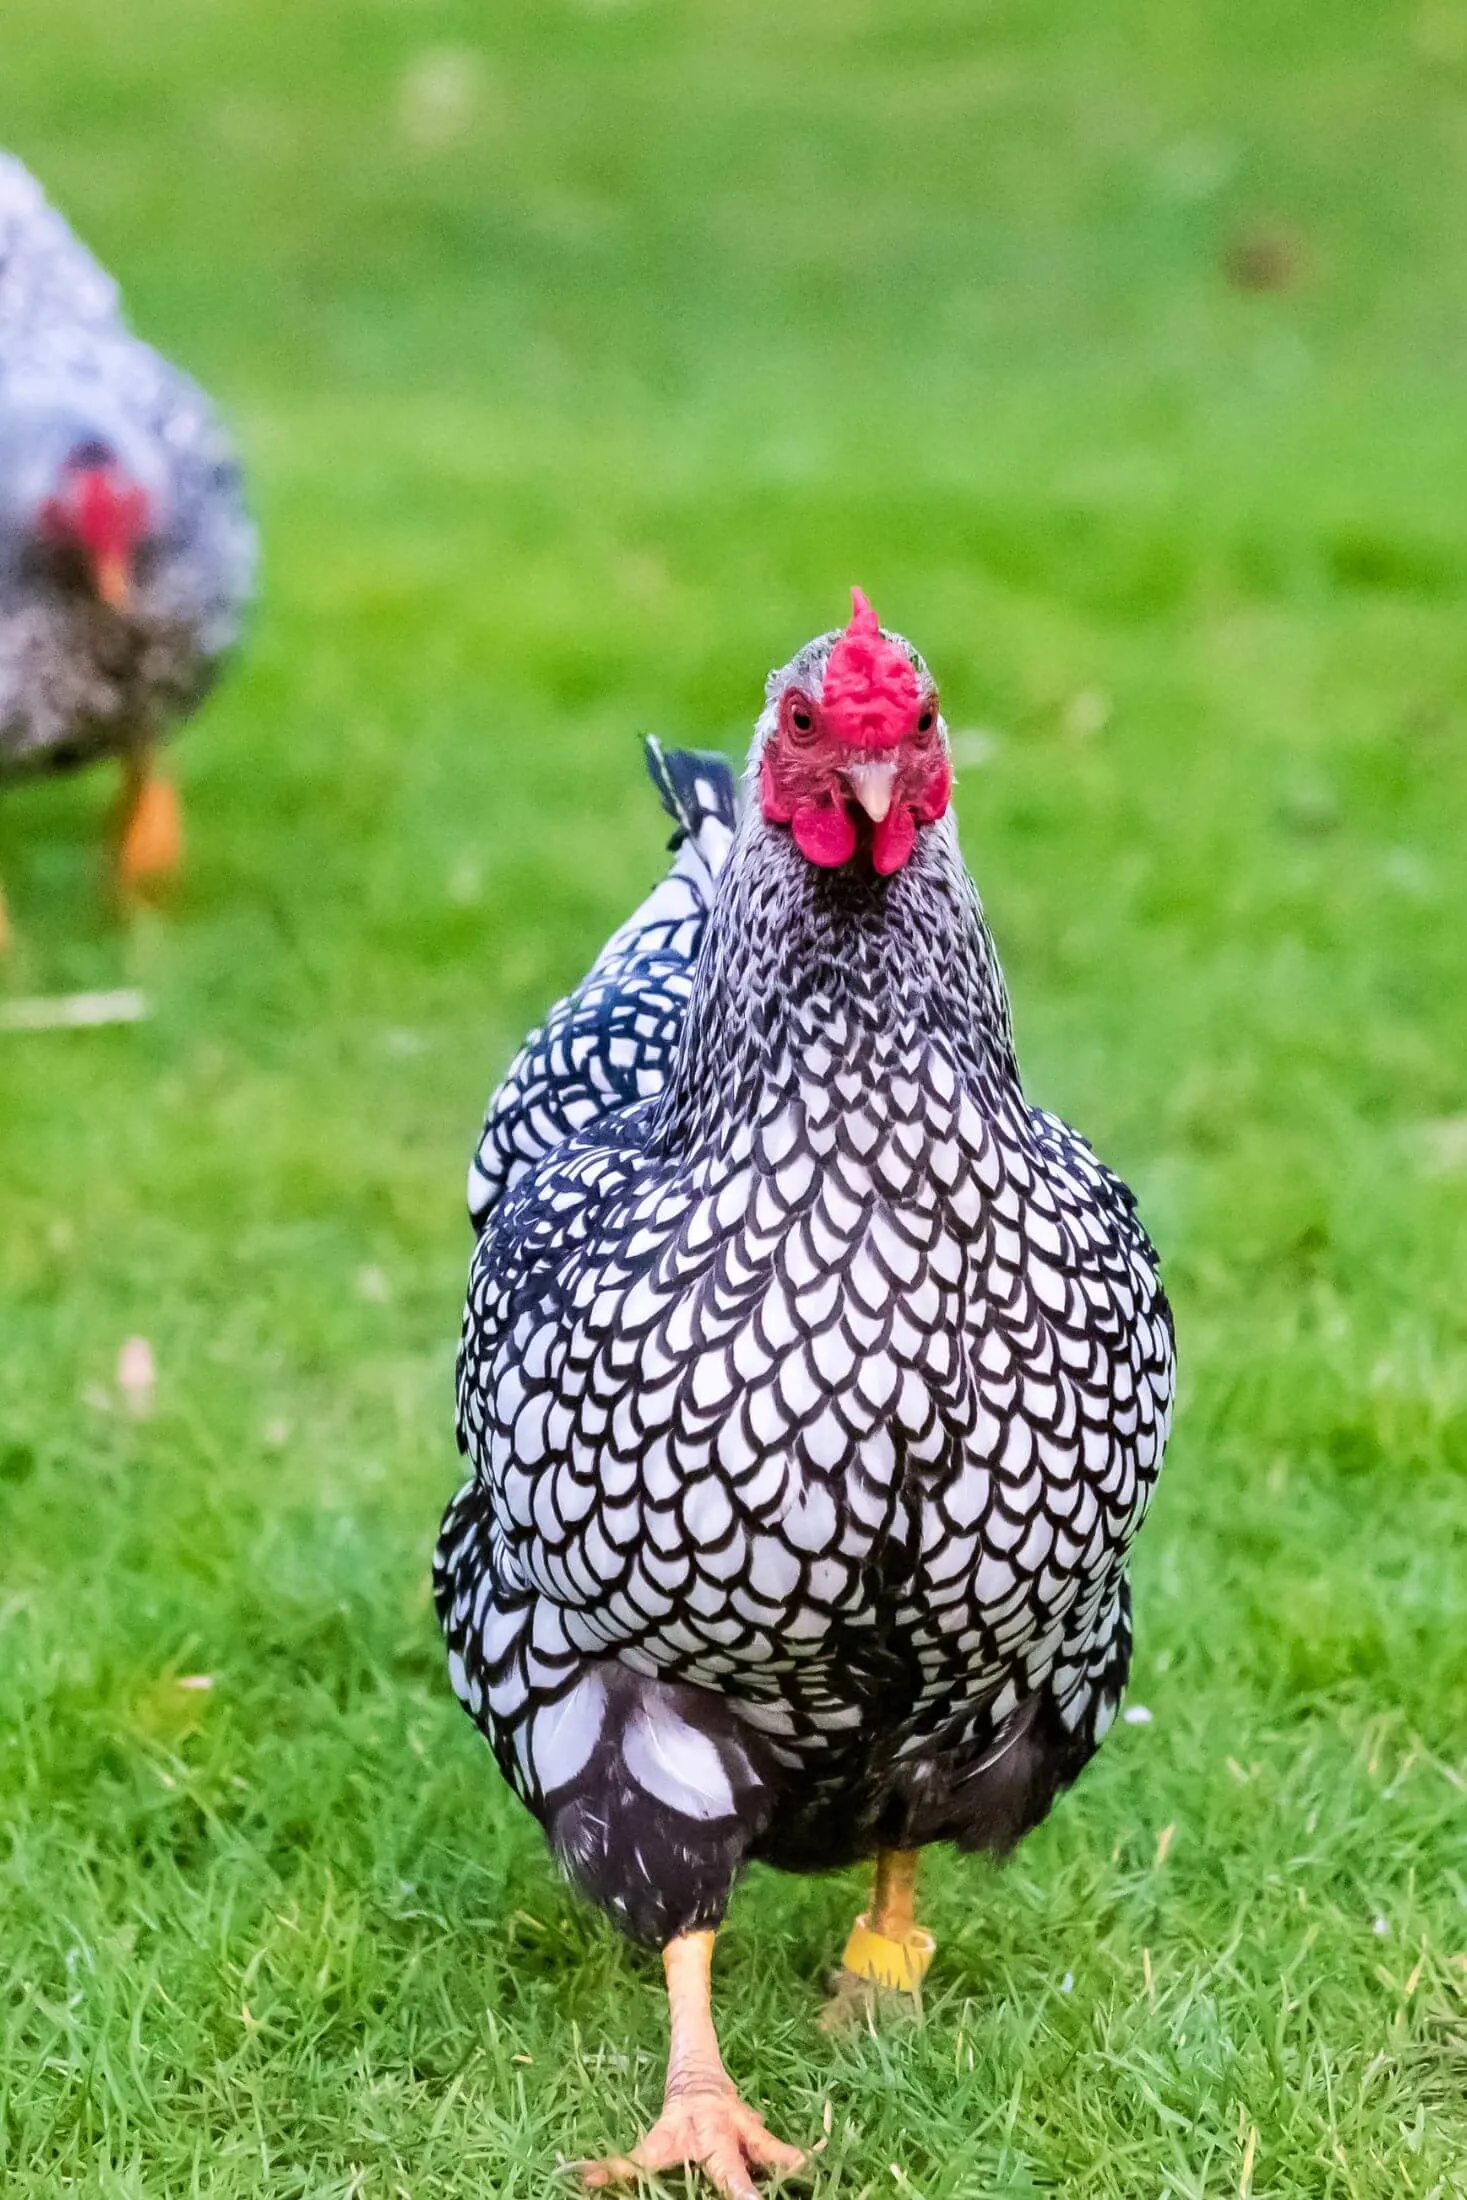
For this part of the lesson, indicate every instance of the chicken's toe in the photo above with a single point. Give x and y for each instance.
(712, 2130)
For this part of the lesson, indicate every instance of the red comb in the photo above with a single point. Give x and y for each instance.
(870, 691)
(111, 512)
(100, 508)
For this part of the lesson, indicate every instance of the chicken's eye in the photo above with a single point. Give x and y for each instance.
(799, 717)
(928, 719)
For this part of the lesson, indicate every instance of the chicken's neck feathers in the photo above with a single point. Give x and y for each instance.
(807, 974)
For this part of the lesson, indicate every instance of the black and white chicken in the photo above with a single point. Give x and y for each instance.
(126, 554)
(814, 1383)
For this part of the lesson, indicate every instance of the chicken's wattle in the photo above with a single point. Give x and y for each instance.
(824, 832)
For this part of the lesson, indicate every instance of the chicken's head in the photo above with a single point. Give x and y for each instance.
(98, 515)
(855, 758)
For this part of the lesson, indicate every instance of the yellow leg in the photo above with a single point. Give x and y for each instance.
(887, 1946)
(150, 843)
(703, 2120)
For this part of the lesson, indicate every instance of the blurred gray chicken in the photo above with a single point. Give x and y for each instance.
(126, 554)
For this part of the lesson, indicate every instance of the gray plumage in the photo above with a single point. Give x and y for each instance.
(79, 678)
(47, 278)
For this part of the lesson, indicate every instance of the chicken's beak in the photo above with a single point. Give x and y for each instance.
(112, 579)
(873, 785)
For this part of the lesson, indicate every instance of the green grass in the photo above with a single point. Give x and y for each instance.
(584, 355)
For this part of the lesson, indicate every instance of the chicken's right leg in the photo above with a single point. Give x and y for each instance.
(150, 835)
(703, 2120)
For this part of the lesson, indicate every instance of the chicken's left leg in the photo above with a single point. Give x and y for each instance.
(150, 836)
(887, 1948)
(703, 2120)
(887, 1945)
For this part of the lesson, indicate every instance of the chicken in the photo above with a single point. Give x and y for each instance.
(814, 1385)
(125, 551)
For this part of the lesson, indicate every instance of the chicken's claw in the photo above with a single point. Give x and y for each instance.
(711, 2128)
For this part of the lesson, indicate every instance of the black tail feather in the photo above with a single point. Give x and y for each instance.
(693, 786)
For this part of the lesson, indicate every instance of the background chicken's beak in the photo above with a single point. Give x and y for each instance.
(872, 786)
(112, 579)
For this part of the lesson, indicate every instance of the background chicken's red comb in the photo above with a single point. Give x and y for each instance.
(101, 509)
(111, 511)
(870, 690)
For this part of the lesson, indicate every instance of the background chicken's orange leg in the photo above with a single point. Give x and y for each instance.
(703, 2120)
(150, 841)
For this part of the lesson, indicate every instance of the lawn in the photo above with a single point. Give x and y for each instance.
(583, 356)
